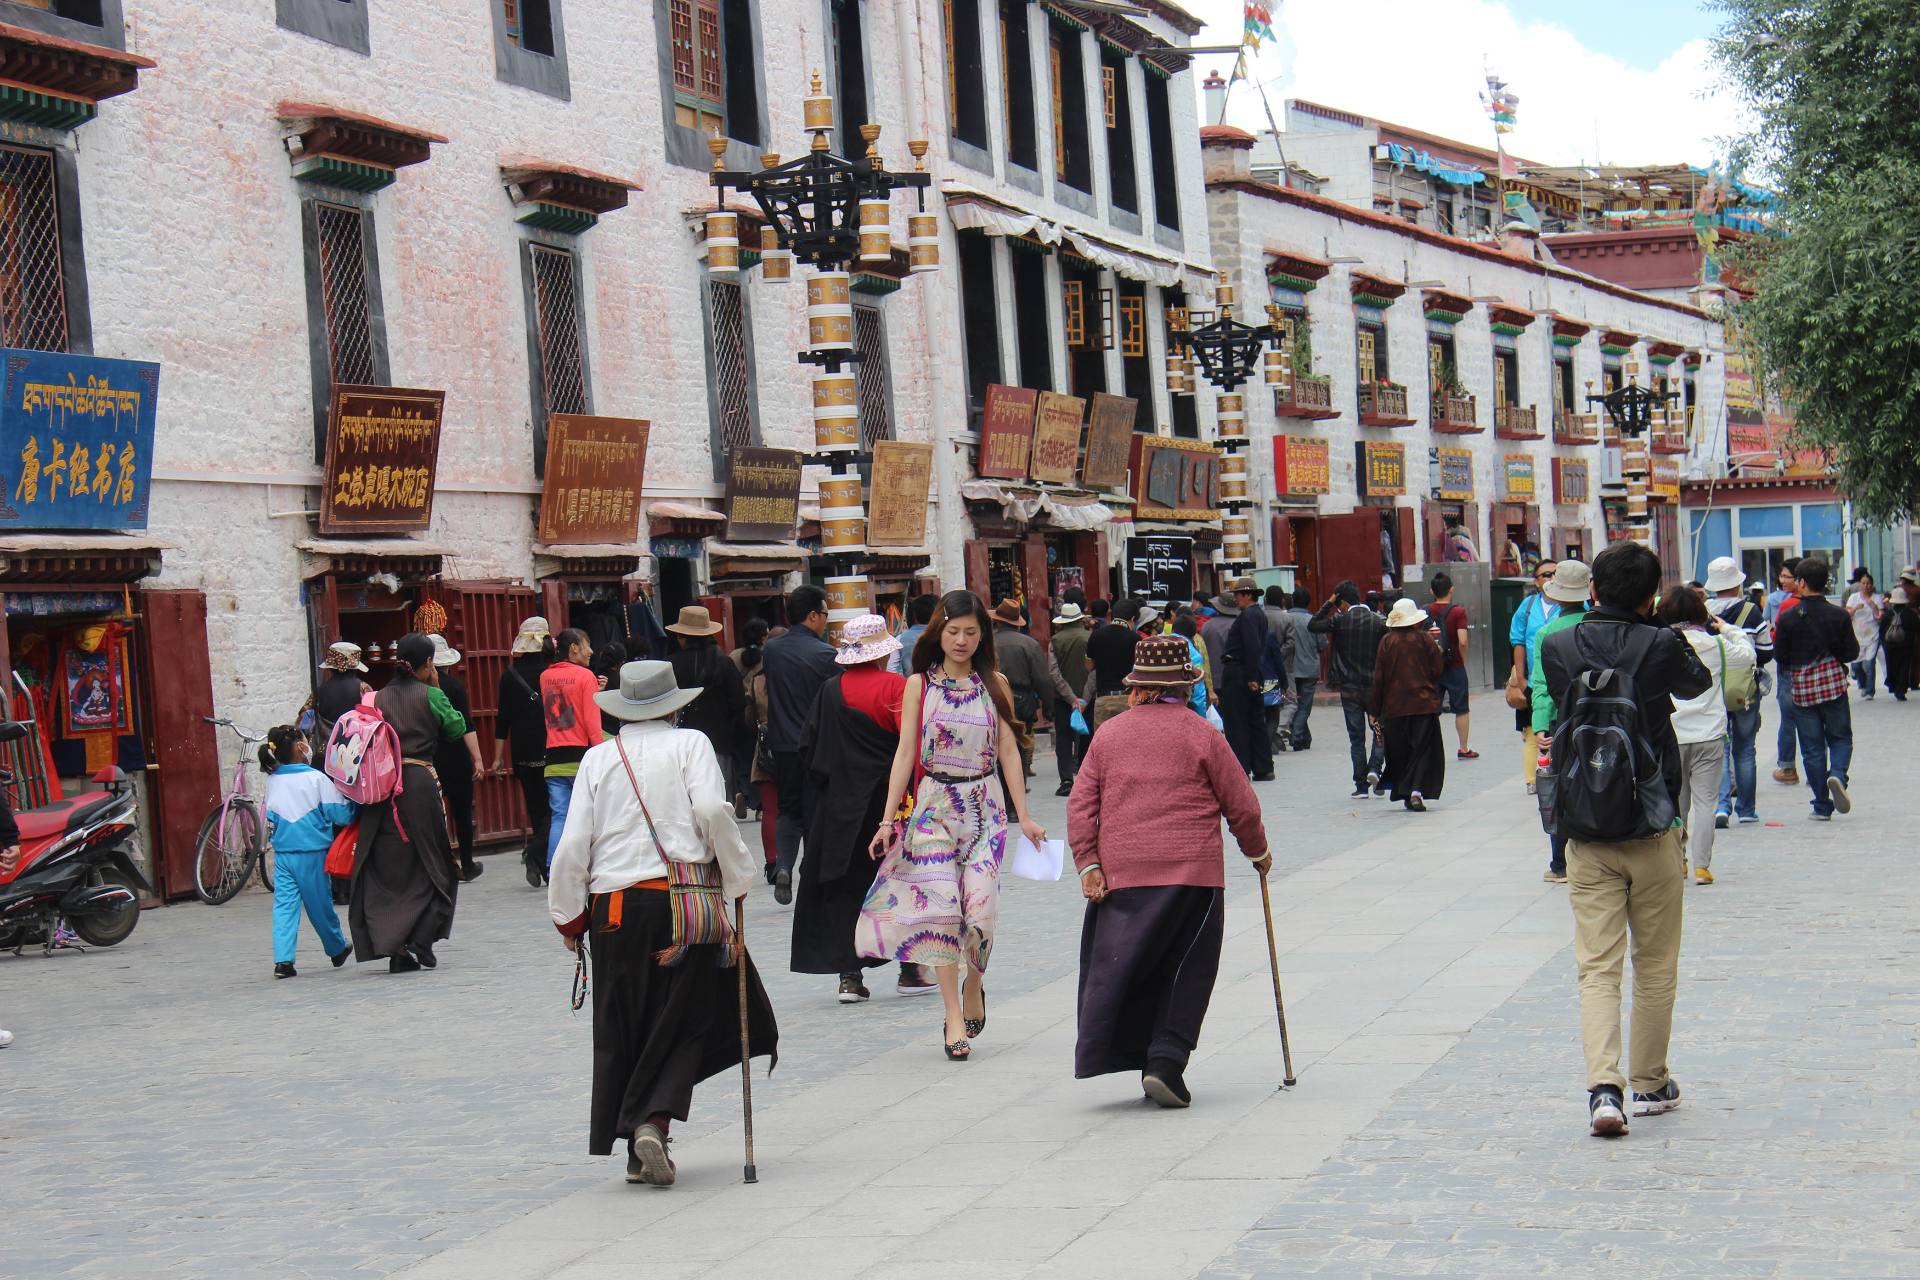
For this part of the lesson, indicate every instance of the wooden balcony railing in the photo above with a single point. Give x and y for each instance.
(1455, 415)
(1670, 441)
(1575, 428)
(1383, 404)
(1305, 395)
(1516, 422)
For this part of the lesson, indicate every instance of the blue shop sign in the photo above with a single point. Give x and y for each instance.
(76, 440)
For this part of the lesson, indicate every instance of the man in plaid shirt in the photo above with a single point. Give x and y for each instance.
(1813, 644)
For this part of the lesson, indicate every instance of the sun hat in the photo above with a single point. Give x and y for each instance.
(1405, 613)
(343, 655)
(1068, 613)
(533, 636)
(1573, 580)
(444, 654)
(696, 621)
(1161, 662)
(646, 692)
(1724, 575)
(1008, 611)
(1240, 585)
(865, 638)
(1148, 616)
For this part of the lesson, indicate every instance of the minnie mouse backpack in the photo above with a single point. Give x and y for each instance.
(363, 755)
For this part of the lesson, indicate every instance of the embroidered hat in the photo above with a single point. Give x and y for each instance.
(533, 636)
(863, 639)
(444, 654)
(1161, 662)
(1406, 613)
(343, 655)
(646, 692)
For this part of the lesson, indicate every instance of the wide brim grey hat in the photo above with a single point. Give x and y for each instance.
(1571, 583)
(646, 692)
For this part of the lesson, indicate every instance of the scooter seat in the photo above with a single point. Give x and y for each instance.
(61, 816)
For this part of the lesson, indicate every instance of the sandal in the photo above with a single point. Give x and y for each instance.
(976, 1025)
(958, 1050)
(1466, 755)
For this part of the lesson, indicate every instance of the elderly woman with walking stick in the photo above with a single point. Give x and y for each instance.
(647, 862)
(1144, 825)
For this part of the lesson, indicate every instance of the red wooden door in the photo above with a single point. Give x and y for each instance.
(482, 620)
(974, 555)
(1350, 549)
(1436, 530)
(1033, 556)
(173, 640)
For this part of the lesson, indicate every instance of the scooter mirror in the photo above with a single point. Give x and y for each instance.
(12, 730)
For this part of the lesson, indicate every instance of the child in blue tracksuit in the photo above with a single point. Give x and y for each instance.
(304, 809)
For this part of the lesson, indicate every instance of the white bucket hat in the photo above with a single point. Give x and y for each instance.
(1724, 575)
(533, 636)
(1068, 613)
(1571, 582)
(646, 692)
(1406, 613)
(444, 654)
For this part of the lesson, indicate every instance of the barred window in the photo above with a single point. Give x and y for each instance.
(874, 376)
(556, 309)
(343, 293)
(732, 380)
(33, 295)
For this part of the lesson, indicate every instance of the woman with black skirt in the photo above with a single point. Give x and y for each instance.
(1899, 633)
(1406, 703)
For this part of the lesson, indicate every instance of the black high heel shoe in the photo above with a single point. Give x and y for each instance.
(976, 1025)
(957, 1050)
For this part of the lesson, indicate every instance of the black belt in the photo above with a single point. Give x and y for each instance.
(951, 779)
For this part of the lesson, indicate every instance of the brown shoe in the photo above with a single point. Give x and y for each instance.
(1787, 774)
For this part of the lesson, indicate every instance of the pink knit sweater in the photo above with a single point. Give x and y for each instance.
(1148, 799)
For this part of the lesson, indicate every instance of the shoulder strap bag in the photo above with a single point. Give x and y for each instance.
(696, 904)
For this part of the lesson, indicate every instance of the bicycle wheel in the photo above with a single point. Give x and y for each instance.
(224, 854)
(264, 851)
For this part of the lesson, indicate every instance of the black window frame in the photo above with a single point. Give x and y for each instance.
(852, 76)
(63, 193)
(967, 120)
(742, 48)
(1158, 101)
(514, 63)
(110, 31)
(1123, 180)
(1017, 97)
(979, 320)
(319, 338)
(531, 247)
(1076, 130)
(750, 392)
(1032, 318)
(1183, 417)
(342, 23)
(873, 376)
(1136, 372)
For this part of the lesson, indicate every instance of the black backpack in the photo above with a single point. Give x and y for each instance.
(1608, 785)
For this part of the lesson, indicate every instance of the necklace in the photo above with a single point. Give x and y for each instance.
(946, 669)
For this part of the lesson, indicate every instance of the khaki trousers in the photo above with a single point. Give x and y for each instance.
(1529, 756)
(1627, 892)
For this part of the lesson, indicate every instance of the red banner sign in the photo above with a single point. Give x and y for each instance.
(1301, 465)
(1006, 432)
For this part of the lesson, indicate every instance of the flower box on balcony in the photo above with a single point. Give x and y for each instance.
(1305, 395)
(1383, 404)
(1575, 428)
(1668, 442)
(1456, 415)
(1516, 422)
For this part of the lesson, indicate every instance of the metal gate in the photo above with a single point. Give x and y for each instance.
(482, 620)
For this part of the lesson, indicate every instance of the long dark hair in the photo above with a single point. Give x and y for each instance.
(753, 639)
(928, 653)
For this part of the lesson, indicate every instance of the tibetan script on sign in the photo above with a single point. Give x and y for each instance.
(1516, 476)
(383, 451)
(1006, 432)
(763, 495)
(1175, 479)
(897, 496)
(1450, 474)
(1300, 466)
(592, 480)
(1160, 570)
(1382, 468)
(1109, 435)
(1663, 483)
(76, 441)
(1056, 437)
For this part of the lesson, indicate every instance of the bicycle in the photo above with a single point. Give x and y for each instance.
(233, 837)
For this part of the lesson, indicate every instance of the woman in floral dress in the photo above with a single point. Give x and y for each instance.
(938, 891)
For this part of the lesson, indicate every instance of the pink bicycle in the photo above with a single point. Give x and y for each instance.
(233, 838)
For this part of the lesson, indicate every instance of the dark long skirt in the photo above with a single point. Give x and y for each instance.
(825, 915)
(1899, 667)
(403, 890)
(1148, 959)
(1415, 759)
(658, 1031)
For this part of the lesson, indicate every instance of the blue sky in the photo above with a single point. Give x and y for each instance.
(1640, 33)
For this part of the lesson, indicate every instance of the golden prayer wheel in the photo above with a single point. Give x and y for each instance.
(876, 231)
(836, 413)
(723, 242)
(840, 491)
(776, 263)
(816, 110)
(830, 311)
(1276, 361)
(923, 241)
(842, 530)
(1232, 416)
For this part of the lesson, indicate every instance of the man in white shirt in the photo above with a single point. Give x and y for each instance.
(650, 810)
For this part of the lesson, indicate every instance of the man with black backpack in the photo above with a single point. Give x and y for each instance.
(1616, 773)
(1450, 626)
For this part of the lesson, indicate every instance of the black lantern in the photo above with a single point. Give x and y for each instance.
(1228, 351)
(1631, 406)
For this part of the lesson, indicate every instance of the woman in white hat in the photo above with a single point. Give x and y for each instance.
(645, 867)
(1406, 703)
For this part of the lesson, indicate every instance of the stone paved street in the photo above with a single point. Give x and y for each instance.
(169, 1110)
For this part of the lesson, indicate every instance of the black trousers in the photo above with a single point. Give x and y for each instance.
(533, 787)
(1303, 687)
(1068, 746)
(456, 785)
(790, 778)
(1245, 715)
(1353, 706)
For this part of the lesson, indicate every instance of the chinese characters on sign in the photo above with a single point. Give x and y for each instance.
(763, 495)
(1175, 479)
(1056, 437)
(383, 448)
(1664, 483)
(1109, 434)
(1450, 474)
(1301, 466)
(1160, 570)
(1516, 477)
(592, 485)
(897, 497)
(76, 441)
(1006, 432)
(1571, 479)
(1382, 468)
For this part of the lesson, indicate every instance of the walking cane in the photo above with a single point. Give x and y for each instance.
(1273, 961)
(746, 1050)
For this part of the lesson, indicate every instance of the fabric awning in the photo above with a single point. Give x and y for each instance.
(586, 550)
(756, 551)
(379, 548)
(1070, 512)
(971, 210)
(105, 543)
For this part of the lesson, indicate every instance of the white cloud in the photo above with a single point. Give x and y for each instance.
(1419, 63)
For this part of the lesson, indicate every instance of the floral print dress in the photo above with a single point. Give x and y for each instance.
(937, 895)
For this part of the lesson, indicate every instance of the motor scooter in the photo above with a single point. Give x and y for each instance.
(76, 865)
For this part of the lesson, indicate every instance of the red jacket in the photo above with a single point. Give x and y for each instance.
(1148, 799)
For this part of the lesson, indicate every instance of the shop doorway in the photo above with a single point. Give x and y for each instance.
(1513, 538)
(1439, 515)
(1296, 543)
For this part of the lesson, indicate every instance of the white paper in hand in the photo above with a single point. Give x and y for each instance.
(1042, 862)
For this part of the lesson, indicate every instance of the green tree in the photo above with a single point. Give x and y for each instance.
(1835, 311)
